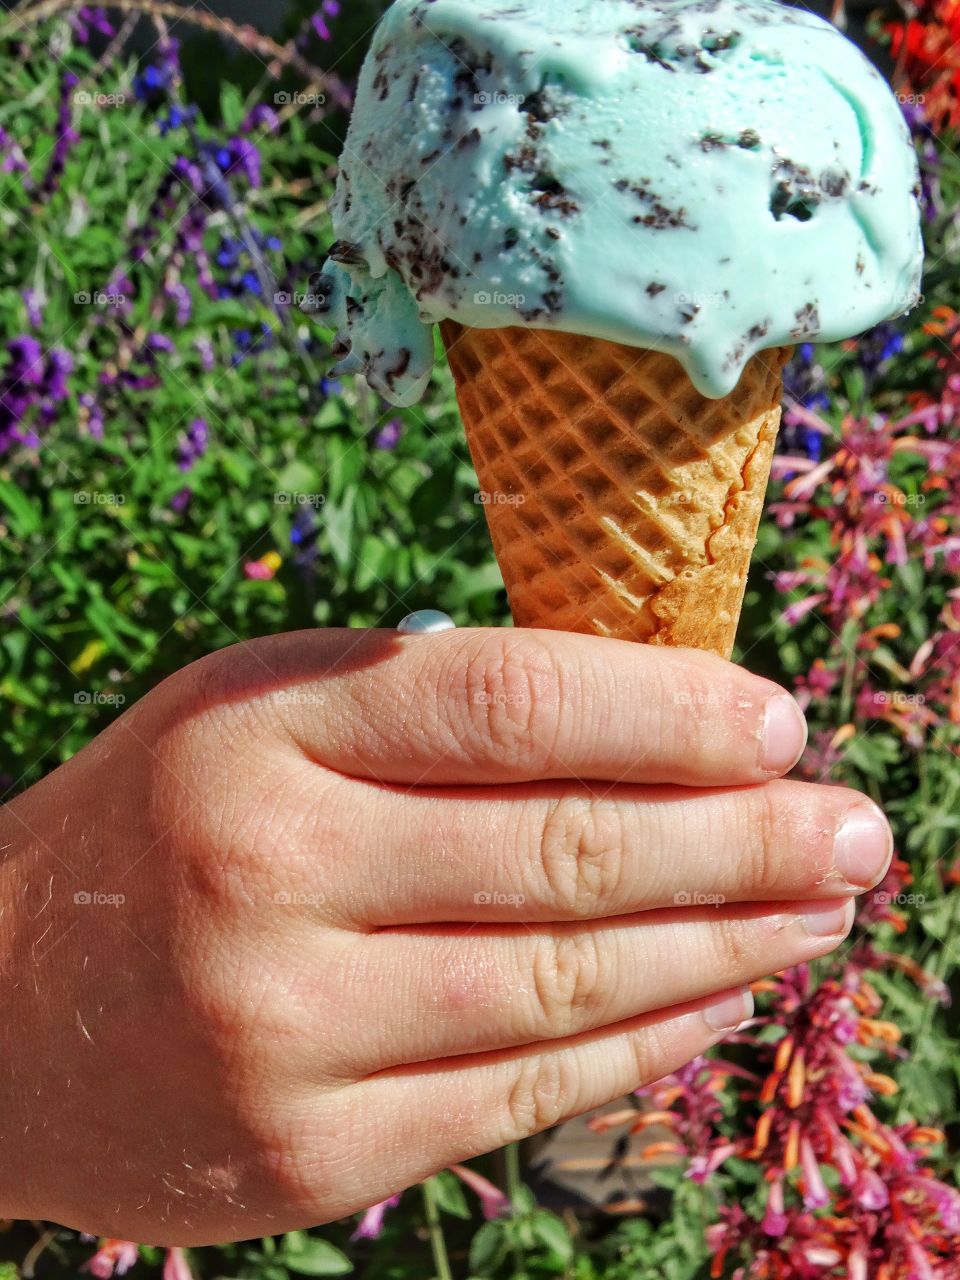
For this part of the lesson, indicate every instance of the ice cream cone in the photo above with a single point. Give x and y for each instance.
(620, 500)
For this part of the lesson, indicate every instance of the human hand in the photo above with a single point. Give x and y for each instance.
(330, 911)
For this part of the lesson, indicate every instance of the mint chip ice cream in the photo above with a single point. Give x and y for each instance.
(706, 178)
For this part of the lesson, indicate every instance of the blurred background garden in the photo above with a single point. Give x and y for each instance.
(179, 471)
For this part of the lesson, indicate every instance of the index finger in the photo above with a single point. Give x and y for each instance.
(498, 706)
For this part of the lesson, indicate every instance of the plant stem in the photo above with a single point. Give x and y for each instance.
(437, 1242)
(511, 1157)
(849, 670)
(514, 1179)
(274, 55)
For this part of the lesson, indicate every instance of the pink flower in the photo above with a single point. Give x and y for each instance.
(775, 1220)
(858, 1260)
(371, 1224)
(493, 1203)
(794, 613)
(702, 1166)
(870, 1191)
(815, 1193)
(114, 1257)
(175, 1266)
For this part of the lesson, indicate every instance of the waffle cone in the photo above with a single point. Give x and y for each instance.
(621, 502)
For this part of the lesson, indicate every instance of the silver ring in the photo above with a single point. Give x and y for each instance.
(426, 622)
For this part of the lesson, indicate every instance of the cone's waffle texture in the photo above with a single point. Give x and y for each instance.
(621, 502)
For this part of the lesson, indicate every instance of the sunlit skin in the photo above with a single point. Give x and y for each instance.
(328, 912)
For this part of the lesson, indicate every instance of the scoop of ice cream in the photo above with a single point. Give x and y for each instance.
(703, 177)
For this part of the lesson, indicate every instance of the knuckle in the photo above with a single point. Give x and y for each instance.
(568, 982)
(652, 1048)
(513, 696)
(698, 708)
(539, 1096)
(736, 953)
(581, 855)
(787, 839)
(762, 822)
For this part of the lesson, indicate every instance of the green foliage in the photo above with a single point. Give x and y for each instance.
(109, 581)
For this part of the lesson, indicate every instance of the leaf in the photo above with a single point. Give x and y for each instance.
(23, 515)
(231, 107)
(308, 1255)
(339, 525)
(524, 1201)
(488, 1249)
(549, 1230)
(449, 1194)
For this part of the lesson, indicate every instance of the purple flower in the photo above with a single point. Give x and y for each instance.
(193, 444)
(34, 303)
(65, 136)
(89, 19)
(207, 357)
(179, 295)
(261, 117)
(27, 367)
(59, 367)
(388, 437)
(247, 156)
(91, 416)
(318, 21)
(12, 159)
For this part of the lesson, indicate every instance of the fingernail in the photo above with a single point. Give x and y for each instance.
(784, 735)
(864, 846)
(726, 1013)
(827, 919)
